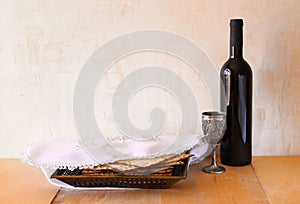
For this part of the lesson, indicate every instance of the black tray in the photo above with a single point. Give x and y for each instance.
(76, 179)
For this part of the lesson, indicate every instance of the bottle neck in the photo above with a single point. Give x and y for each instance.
(236, 41)
(236, 52)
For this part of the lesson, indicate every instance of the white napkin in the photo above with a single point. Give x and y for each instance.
(52, 155)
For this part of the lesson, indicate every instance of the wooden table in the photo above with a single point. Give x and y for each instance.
(267, 180)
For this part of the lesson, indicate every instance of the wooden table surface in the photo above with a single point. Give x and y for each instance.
(267, 180)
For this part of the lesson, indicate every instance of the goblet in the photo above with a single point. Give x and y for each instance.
(213, 127)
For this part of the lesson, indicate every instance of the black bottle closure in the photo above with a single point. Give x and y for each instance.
(236, 79)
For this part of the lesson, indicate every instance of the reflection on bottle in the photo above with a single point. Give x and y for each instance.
(242, 110)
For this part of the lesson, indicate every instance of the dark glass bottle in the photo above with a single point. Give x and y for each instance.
(236, 80)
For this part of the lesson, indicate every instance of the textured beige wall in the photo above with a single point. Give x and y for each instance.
(44, 44)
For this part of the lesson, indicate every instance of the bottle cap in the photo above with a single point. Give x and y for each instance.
(236, 23)
(236, 32)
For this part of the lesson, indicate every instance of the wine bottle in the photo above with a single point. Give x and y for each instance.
(236, 81)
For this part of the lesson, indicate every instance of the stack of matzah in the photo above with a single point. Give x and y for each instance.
(162, 165)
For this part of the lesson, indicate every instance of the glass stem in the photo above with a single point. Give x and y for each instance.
(214, 158)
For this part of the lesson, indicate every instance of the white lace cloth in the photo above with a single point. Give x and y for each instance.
(52, 155)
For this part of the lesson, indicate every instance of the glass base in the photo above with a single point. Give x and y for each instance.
(214, 169)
